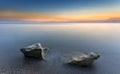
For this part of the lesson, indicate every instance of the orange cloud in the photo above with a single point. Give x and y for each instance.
(25, 16)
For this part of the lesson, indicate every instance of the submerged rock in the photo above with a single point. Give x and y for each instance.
(34, 51)
(85, 59)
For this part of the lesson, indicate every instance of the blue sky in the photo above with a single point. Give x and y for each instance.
(62, 8)
(49, 5)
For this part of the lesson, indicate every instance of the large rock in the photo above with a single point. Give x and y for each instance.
(34, 51)
(85, 59)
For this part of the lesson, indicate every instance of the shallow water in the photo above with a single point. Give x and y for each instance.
(63, 39)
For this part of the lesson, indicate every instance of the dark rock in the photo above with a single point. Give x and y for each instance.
(85, 59)
(34, 51)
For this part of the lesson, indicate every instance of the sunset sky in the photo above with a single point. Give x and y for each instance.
(60, 10)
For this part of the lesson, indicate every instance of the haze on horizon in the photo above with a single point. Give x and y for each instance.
(60, 10)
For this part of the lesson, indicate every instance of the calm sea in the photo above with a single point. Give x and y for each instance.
(63, 39)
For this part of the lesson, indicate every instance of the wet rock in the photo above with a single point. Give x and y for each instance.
(84, 59)
(34, 51)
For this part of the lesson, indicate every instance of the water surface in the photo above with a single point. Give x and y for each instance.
(63, 39)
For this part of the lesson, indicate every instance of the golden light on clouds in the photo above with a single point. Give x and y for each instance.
(25, 16)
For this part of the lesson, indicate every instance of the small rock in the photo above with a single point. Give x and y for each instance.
(85, 59)
(34, 51)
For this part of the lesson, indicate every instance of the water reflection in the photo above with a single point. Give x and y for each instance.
(63, 39)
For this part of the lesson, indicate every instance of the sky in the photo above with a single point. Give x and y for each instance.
(60, 10)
